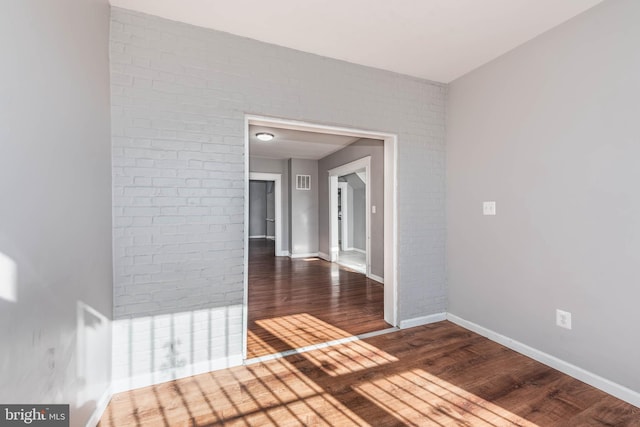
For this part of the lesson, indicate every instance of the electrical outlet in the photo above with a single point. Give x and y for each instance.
(488, 208)
(563, 319)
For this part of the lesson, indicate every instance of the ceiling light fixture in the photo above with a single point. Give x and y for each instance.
(264, 136)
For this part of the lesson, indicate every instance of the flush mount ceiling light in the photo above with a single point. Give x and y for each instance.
(264, 136)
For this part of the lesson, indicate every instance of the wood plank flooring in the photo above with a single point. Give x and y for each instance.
(433, 375)
(299, 302)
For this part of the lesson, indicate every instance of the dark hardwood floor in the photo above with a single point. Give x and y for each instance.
(433, 375)
(299, 302)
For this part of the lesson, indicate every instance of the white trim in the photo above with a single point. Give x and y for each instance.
(258, 237)
(245, 266)
(390, 207)
(101, 406)
(344, 222)
(423, 320)
(315, 127)
(390, 230)
(305, 255)
(150, 378)
(376, 278)
(334, 248)
(357, 250)
(351, 167)
(270, 237)
(324, 256)
(345, 169)
(283, 253)
(614, 389)
(351, 267)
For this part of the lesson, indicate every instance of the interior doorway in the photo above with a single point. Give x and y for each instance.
(268, 216)
(350, 220)
(261, 210)
(286, 270)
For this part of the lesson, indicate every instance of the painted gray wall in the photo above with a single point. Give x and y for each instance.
(374, 148)
(550, 131)
(359, 219)
(179, 95)
(55, 182)
(304, 208)
(281, 166)
(350, 217)
(271, 209)
(257, 208)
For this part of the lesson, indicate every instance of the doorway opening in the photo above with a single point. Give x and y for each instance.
(265, 208)
(279, 276)
(350, 217)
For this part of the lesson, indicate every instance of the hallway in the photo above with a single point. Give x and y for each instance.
(300, 302)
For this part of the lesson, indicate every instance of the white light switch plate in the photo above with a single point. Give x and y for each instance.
(488, 208)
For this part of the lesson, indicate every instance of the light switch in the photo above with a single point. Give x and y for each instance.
(373, 209)
(488, 208)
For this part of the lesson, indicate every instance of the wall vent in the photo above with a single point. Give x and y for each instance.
(303, 182)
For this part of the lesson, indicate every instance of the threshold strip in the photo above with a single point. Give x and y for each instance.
(312, 347)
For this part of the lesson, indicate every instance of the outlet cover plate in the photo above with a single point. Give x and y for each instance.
(563, 319)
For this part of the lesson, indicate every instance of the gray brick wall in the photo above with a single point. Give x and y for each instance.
(179, 95)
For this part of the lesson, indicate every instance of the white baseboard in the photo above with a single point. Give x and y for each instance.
(282, 253)
(152, 378)
(334, 251)
(422, 320)
(307, 255)
(257, 237)
(376, 278)
(614, 389)
(270, 237)
(101, 406)
(324, 256)
(362, 251)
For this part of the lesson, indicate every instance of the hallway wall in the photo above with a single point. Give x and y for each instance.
(257, 208)
(303, 209)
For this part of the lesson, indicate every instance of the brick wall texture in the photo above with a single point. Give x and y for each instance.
(179, 97)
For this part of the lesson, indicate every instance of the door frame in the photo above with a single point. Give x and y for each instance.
(391, 285)
(277, 188)
(347, 168)
(344, 229)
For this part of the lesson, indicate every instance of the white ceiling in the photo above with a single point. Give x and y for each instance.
(295, 144)
(433, 39)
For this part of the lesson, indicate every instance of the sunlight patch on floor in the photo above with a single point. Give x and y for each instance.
(257, 345)
(417, 397)
(301, 330)
(352, 357)
(268, 394)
